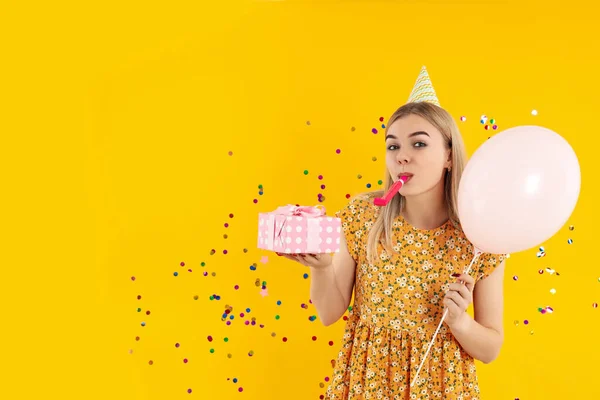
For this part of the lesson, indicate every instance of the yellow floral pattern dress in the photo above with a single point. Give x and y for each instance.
(397, 308)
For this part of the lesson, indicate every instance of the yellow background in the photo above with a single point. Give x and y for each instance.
(117, 119)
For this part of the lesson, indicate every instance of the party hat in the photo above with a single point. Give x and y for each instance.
(423, 89)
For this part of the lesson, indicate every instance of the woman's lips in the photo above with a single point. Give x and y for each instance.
(405, 177)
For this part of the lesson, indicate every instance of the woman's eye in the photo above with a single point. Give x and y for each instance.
(420, 144)
(392, 147)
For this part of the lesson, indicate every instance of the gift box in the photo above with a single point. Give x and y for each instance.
(299, 229)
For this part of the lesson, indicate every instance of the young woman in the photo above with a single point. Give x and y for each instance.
(405, 263)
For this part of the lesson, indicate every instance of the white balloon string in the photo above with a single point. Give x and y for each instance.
(475, 257)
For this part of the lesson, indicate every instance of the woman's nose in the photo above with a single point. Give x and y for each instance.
(402, 158)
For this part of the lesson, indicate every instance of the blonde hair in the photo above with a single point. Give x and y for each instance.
(381, 231)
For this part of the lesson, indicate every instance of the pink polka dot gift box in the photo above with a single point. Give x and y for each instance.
(299, 229)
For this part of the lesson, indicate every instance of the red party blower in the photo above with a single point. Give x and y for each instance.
(382, 201)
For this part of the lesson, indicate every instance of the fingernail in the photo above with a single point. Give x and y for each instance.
(455, 275)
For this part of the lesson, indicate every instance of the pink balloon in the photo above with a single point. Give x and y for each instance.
(518, 189)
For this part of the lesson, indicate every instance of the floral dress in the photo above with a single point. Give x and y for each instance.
(397, 308)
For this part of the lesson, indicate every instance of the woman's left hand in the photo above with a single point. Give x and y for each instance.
(458, 298)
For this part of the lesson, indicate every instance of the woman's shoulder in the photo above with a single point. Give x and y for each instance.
(359, 207)
(361, 203)
(487, 261)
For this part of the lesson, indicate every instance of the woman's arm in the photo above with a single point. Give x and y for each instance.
(483, 335)
(331, 287)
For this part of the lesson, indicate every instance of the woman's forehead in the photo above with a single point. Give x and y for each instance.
(404, 127)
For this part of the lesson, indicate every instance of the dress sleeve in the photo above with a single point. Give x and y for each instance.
(353, 217)
(488, 263)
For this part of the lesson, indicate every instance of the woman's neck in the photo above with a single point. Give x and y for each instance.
(426, 211)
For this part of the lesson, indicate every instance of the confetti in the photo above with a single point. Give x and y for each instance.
(463, 118)
(546, 310)
(541, 253)
(534, 112)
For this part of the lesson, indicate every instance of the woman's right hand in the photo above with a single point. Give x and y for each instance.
(317, 261)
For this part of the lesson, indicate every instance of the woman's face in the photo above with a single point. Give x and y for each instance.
(416, 148)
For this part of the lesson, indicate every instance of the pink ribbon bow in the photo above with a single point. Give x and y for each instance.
(307, 211)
